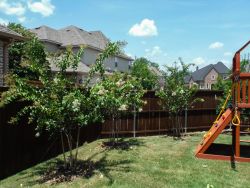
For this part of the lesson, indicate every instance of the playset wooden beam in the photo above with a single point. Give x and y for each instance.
(241, 100)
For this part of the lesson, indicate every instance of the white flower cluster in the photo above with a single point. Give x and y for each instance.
(120, 83)
(76, 105)
(102, 91)
(56, 80)
(123, 107)
(181, 91)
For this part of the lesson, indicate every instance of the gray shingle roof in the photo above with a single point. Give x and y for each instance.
(200, 74)
(221, 68)
(71, 35)
(74, 36)
(5, 31)
(156, 71)
(82, 68)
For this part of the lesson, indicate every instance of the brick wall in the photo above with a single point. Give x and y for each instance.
(6, 59)
(210, 79)
(1, 63)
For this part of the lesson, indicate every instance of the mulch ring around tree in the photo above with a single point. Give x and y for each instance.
(60, 173)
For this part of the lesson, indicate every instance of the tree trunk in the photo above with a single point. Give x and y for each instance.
(77, 141)
(63, 149)
(113, 127)
(70, 150)
(134, 122)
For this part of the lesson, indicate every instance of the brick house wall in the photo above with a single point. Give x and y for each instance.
(210, 79)
(4, 60)
(1, 63)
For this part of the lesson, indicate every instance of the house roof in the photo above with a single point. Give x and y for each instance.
(8, 33)
(81, 68)
(200, 74)
(156, 71)
(74, 36)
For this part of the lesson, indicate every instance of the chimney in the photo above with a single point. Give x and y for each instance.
(197, 68)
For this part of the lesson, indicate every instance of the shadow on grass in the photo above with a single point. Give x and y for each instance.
(54, 172)
(122, 144)
(175, 138)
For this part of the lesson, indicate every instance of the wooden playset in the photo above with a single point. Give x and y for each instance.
(240, 94)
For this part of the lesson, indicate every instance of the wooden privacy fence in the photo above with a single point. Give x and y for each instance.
(20, 149)
(154, 120)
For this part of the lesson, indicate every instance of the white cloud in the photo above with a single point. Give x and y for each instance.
(226, 62)
(22, 19)
(43, 7)
(146, 28)
(228, 54)
(198, 61)
(8, 8)
(3, 21)
(216, 45)
(130, 55)
(154, 52)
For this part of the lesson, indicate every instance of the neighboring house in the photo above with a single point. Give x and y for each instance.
(247, 66)
(207, 76)
(7, 36)
(94, 42)
(158, 73)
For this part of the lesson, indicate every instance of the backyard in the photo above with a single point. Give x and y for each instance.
(139, 99)
(155, 161)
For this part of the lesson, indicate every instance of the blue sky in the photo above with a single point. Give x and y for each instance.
(199, 31)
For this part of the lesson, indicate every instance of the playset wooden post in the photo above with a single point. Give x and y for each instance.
(241, 99)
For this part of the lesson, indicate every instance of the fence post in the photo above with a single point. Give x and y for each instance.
(134, 122)
(186, 120)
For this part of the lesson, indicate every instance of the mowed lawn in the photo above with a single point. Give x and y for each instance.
(155, 161)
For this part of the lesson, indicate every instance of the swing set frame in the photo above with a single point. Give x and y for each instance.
(241, 99)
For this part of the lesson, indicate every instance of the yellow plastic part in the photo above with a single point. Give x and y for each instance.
(219, 115)
(207, 135)
(236, 119)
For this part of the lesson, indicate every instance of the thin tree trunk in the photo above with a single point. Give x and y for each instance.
(64, 157)
(180, 131)
(134, 123)
(113, 127)
(70, 150)
(186, 111)
(180, 125)
(173, 124)
(77, 141)
(176, 125)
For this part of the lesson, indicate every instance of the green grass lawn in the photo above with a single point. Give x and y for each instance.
(156, 161)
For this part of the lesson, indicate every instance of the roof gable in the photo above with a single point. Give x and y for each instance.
(72, 35)
(221, 68)
(75, 36)
(200, 74)
(6, 32)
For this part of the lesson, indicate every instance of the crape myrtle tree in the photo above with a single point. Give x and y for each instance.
(20, 52)
(59, 106)
(118, 94)
(175, 96)
(141, 69)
